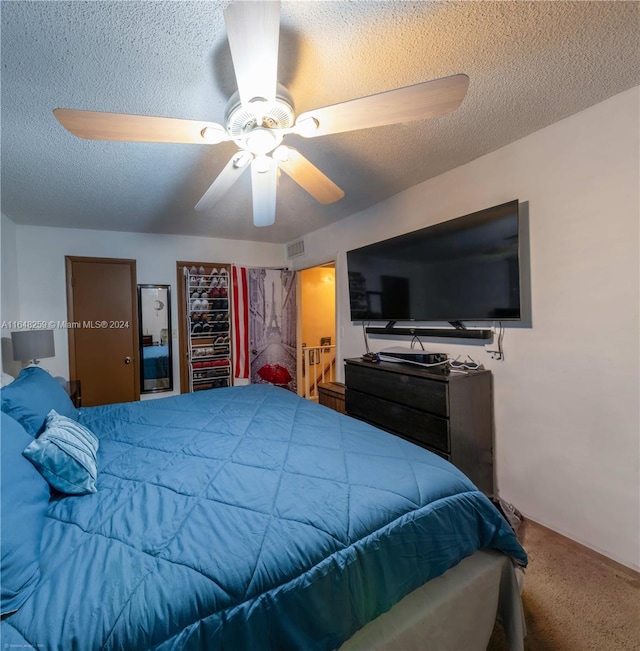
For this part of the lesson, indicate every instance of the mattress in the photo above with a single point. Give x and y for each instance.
(246, 518)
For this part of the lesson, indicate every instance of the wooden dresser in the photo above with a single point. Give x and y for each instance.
(448, 413)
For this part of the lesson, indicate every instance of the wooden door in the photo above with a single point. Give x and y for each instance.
(103, 342)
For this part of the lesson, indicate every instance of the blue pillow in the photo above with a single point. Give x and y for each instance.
(32, 395)
(66, 455)
(24, 497)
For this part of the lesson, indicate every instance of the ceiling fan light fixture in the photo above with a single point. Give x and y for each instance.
(214, 135)
(260, 141)
(242, 159)
(282, 153)
(307, 126)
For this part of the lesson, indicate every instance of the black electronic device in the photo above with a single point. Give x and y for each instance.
(464, 269)
(416, 356)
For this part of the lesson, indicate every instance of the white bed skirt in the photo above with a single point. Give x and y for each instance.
(452, 612)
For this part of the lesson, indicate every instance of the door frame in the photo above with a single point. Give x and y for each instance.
(68, 261)
(331, 262)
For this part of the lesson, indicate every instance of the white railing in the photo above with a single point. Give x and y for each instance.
(318, 366)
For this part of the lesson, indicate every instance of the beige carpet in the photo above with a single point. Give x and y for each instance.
(573, 599)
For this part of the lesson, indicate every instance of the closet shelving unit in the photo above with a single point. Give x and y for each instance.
(207, 314)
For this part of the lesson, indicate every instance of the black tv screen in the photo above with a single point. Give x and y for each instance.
(464, 269)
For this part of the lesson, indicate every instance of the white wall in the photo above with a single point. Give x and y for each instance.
(9, 303)
(567, 447)
(41, 277)
(8, 272)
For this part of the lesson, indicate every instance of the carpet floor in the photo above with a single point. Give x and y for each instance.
(573, 599)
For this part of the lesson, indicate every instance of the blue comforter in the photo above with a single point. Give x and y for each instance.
(246, 519)
(155, 360)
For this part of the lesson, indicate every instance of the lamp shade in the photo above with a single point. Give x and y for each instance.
(32, 345)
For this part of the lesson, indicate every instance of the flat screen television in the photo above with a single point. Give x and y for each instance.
(464, 269)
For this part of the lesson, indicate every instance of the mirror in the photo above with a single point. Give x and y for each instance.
(154, 319)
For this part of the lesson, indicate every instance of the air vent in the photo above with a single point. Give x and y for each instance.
(295, 248)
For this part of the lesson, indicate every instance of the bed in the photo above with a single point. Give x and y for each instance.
(248, 518)
(155, 360)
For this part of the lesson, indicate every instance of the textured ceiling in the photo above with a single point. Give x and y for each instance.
(530, 64)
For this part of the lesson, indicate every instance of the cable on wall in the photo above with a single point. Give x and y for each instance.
(499, 353)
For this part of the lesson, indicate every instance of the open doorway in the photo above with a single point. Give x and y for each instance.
(317, 327)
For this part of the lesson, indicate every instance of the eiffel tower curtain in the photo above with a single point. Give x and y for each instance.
(265, 314)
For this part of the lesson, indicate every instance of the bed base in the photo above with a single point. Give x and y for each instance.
(451, 612)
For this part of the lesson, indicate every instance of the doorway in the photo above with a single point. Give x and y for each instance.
(317, 317)
(103, 339)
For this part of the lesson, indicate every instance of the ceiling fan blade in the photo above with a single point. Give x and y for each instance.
(96, 125)
(426, 100)
(253, 29)
(307, 175)
(264, 183)
(230, 174)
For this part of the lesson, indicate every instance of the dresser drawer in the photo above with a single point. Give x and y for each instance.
(419, 426)
(417, 392)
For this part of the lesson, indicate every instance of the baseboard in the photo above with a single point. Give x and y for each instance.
(621, 567)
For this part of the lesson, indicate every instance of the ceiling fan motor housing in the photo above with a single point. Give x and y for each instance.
(258, 114)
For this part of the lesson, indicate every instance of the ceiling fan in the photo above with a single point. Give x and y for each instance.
(261, 113)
